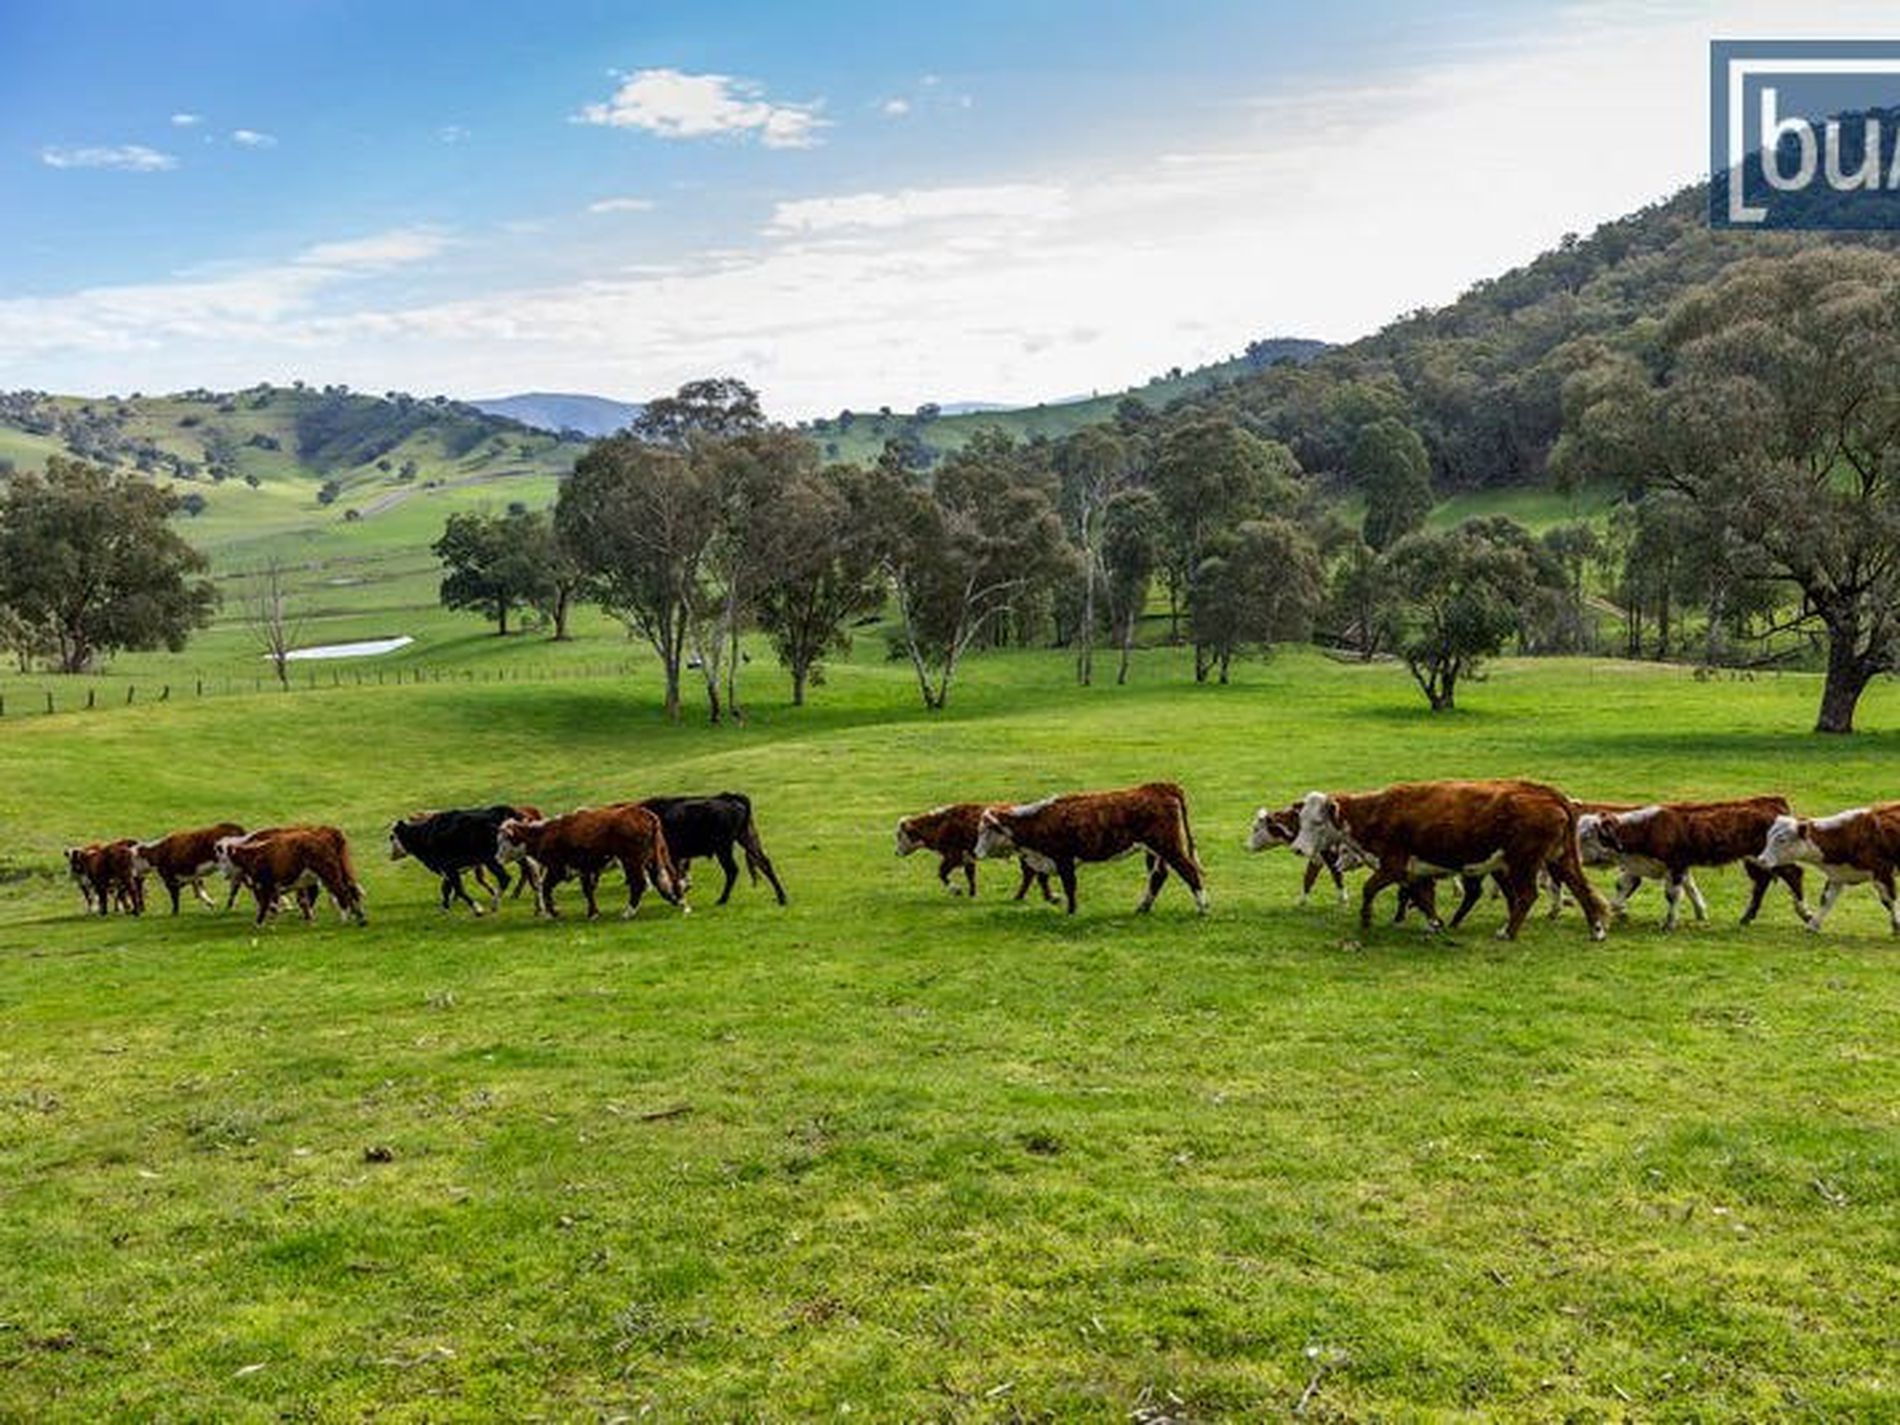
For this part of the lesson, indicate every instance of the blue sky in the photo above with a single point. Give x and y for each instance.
(846, 203)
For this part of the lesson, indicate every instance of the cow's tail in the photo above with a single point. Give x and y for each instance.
(1187, 831)
(665, 878)
(348, 868)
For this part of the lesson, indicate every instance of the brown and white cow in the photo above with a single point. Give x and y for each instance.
(1665, 840)
(108, 876)
(1058, 833)
(951, 832)
(1509, 829)
(585, 842)
(186, 858)
(1850, 847)
(1280, 828)
(295, 861)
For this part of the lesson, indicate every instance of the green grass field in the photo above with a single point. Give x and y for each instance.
(899, 1155)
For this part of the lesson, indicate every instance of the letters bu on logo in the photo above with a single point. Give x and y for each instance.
(1804, 134)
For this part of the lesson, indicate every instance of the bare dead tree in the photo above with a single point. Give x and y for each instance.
(270, 614)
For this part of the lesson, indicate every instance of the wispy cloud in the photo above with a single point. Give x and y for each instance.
(916, 205)
(380, 250)
(676, 105)
(129, 157)
(187, 121)
(894, 108)
(621, 205)
(451, 133)
(251, 138)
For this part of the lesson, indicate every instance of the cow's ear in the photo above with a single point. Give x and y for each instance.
(1332, 811)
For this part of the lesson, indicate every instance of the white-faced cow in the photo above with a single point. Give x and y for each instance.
(1666, 840)
(108, 876)
(1280, 828)
(1850, 847)
(1512, 830)
(185, 858)
(951, 832)
(1057, 834)
(295, 861)
(584, 843)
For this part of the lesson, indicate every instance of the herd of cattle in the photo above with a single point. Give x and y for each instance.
(653, 842)
(1523, 836)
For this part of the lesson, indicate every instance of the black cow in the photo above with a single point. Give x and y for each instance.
(451, 842)
(711, 826)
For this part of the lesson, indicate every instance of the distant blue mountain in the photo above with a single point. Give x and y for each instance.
(554, 411)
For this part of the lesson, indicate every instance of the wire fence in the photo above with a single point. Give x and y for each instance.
(50, 700)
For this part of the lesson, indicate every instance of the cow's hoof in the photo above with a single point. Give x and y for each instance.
(1597, 932)
(1814, 926)
(1504, 933)
(629, 913)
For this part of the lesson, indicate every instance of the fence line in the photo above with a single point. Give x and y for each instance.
(50, 701)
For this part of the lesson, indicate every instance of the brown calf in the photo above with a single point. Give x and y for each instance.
(108, 876)
(951, 832)
(1058, 833)
(584, 843)
(186, 858)
(1512, 830)
(1849, 847)
(294, 860)
(1666, 840)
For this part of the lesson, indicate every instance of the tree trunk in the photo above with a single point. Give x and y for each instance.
(1848, 674)
(800, 669)
(501, 618)
(672, 687)
(563, 596)
(1085, 664)
(1128, 643)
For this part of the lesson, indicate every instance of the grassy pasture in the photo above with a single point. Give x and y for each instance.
(943, 1159)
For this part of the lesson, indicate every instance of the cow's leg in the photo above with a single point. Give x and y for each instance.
(454, 879)
(1176, 859)
(1157, 877)
(1883, 887)
(1828, 897)
(1759, 879)
(1065, 872)
(1520, 894)
(266, 894)
(1694, 892)
(590, 882)
(731, 868)
(1339, 876)
(945, 865)
(1791, 877)
(1628, 883)
(1672, 890)
(1313, 867)
(636, 888)
(1473, 887)
(198, 890)
(500, 873)
(172, 886)
(551, 876)
(1381, 877)
(1022, 886)
(1568, 870)
(1547, 878)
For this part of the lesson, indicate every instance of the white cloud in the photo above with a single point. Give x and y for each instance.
(251, 138)
(1322, 219)
(451, 133)
(894, 108)
(187, 121)
(676, 105)
(394, 248)
(916, 205)
(621, 205)
(130, 157)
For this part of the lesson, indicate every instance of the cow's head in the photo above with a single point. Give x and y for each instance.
(226, 851)
(1321, 827)
(1274, 828)
(511, 842)
(140, 865)
(1598, 838)
(907, 841)
(1790, 839)
(77, 859)
(396, 848)
(996, 833)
